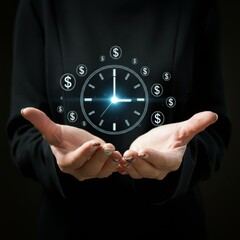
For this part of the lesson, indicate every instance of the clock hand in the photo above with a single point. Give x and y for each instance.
(114, 97)
(115, 100)
(124, 100)
(114, 82)
(106, 109)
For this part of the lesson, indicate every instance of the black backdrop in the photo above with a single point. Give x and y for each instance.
(19, 197)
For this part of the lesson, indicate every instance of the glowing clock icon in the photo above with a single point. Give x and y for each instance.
(114, 99)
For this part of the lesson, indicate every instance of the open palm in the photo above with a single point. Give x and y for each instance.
(77, 152)
(161, 150)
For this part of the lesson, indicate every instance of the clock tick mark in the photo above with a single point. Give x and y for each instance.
(137, 113)
(137, 86)
(127, 122)
(101, 76)
(91, 113)
(101, 123)
(91, 86)
(87, 99)
(127, 76)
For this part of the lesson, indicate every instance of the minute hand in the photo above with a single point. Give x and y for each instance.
(114, 83)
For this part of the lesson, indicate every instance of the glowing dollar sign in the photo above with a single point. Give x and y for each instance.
(81, 70)
(68, 83)
(145, 71)
(134, 61)
(157, 118)
(171, 102)
(60, 109)
(115, 52)
(166, 76)
(156, 90)
(72, 116)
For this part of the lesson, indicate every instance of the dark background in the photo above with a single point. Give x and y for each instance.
(19, 197)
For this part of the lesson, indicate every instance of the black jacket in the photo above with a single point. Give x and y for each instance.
(170, 51)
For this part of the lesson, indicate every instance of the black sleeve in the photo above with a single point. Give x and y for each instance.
(30, 152)
(206, 150)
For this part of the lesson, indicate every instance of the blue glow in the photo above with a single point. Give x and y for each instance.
(114, 99)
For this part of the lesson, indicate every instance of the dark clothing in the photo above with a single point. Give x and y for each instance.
(171, 49)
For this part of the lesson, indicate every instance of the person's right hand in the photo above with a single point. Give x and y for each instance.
(77, 152)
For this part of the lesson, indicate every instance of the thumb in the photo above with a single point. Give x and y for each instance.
(43, 123)
(196, 124)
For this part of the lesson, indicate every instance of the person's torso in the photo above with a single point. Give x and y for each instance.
(118, 69)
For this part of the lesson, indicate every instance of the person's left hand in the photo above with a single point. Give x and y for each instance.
(161, 150)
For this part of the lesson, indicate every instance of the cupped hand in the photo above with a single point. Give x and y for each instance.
(77, 152)
(161, 150)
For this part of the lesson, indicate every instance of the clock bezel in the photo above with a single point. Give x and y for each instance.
(146, 101)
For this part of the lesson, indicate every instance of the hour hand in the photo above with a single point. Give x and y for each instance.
(124, 100)
(114, 99)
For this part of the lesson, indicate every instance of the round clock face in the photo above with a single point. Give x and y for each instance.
(114, 99)
(116, 95)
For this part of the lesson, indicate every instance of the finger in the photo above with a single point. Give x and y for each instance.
(110, 165)
(99, 158)
(130, 170)
(146, 168)
(169, 160)
(199, 121)
(43, 123)
(75, 159)
(129, 158)
(95, 162)
(196, 124)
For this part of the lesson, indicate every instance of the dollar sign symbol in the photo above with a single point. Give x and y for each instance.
(157, 119)
(72, 116)
(134, 61)
(115, 52)
(68, 83)
(157, 91)
(81, 70)
(102, 58)
(145, 71)
(171, 102)
(166, 76)
(60, 109)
